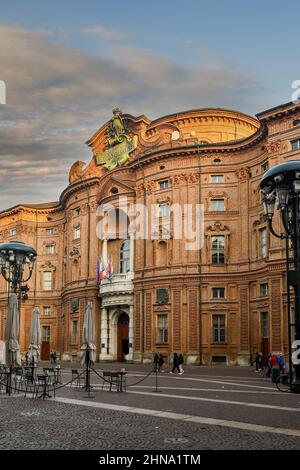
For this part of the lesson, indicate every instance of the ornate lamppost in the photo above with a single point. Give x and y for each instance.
(16, 265)
(14, 258)
(281, 189)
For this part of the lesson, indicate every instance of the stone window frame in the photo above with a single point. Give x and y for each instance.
(49, 312)
(75, 228)
(216, 175)
(262, 326)
(218, 298)
(258, 226)
(213, 195)
(48, 245)
(43, 327)
(160, 182)
(47, 267)
(74, 337)
(262, 286)
(166, 328)
(218, 229)
(219, 314)
(77, 211)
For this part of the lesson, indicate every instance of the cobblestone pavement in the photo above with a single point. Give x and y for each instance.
(252, 414)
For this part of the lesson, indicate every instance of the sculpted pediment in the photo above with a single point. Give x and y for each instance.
(114, 186)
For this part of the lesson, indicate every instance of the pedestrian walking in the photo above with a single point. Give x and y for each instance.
(155, 362)
(269, 367)
(160, 363)
(281, 362)
(175, 364)
(258, 362)
(54, 357)
(180, 362)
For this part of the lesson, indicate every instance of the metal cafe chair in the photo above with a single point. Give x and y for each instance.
(76, 378)
(106, 379)
(17, 378)
(28, 382)
(43, 386)
(115, 380)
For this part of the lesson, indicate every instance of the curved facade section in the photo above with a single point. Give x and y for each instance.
(160, 293)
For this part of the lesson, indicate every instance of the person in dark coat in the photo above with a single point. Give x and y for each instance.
(160, 363)
(175, 364)
(258, 362)
(155, 362)
(54, 356)
(180, 362)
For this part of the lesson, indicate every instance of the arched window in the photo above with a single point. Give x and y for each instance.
(125, 257)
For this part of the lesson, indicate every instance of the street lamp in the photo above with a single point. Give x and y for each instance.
(16, 264)
(281, 190)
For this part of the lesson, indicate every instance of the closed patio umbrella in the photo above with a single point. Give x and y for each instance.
(88, 348)
(12, 331)
(35, 337)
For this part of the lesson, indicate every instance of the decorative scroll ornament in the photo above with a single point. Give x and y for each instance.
(118, 143)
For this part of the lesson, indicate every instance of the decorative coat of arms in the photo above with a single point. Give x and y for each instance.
(118, 144)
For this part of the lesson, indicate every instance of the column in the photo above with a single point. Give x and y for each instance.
(103, 335)
(131, 252)
(104, 251)
(130, 354)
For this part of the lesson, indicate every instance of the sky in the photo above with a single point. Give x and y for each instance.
(66, 64)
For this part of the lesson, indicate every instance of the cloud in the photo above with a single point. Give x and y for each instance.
(105, 33)
(57, 97)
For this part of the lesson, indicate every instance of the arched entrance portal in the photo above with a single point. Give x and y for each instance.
(123, 336)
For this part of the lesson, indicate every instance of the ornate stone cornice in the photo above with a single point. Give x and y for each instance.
(47, 266)
(242, 174)
(273, 147)
(218, 227)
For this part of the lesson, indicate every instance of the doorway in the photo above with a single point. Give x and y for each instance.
(45, 351)
(123, 336)
(265, 337)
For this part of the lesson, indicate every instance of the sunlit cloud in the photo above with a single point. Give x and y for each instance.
(57, 97)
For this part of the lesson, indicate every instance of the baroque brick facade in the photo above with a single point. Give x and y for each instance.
(210, 311)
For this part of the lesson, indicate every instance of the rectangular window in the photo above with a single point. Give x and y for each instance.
(264, 167)
(164, 210)
(264, 290)
(49, 231)
(46, 333)
(74, 338)
(50, 249)
(164, 184)
(217, 205)
(218, 292)
(264, 325)
(162, 328)
(219, 329)
(263, 242)
(13, 232)
(77, 233)
(218, 249)
(47, 280)
(295, 144)
(46, 311)
(217, 179)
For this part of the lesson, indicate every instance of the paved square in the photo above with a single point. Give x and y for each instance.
(205, 408)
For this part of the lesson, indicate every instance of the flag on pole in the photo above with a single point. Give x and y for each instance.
(108, 269)
(99, 275)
